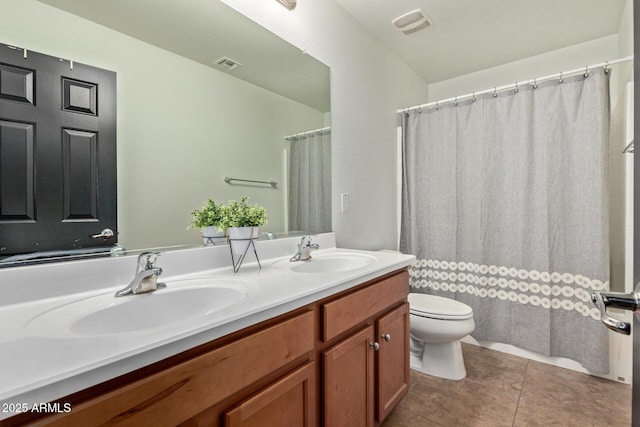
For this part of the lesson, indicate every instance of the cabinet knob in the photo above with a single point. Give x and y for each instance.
(375, 346)
(386, 337)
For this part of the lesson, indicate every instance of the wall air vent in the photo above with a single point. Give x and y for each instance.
(411, 22)
(227, 63)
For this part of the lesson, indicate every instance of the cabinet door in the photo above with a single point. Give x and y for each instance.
(348, 381)
(393, 359)
(289, 402)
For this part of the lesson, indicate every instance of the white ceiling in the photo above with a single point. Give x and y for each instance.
(470, 35)
(465, 35)
(205, 30)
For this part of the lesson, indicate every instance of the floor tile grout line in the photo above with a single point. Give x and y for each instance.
(524, 379)
(420, 378)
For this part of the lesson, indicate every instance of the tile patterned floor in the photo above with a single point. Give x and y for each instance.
(505, 390)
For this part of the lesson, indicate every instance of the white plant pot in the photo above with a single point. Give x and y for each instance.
(211, 236)
(240, 238)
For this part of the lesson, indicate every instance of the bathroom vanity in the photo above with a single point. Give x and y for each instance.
(304, 346)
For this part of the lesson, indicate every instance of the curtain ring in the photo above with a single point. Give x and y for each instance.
(495, 92)
(455, 101)
(606, 67)
(561, 79)
(419, 109)
(535, 83)
(517, 89)
(586, 72)
(437, 106)
(473, 97)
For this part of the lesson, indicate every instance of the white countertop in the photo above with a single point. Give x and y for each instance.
(36, 368)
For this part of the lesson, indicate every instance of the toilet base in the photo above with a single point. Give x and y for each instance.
(442, 360)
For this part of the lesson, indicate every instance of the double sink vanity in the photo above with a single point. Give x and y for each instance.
(294, 343)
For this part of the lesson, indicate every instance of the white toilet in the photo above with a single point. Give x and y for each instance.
(437, 324)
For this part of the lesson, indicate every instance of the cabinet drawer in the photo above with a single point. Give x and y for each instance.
(341, 314)
(174, 395)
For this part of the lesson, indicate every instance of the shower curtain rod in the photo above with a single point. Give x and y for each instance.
(516, 84)
(309, 132)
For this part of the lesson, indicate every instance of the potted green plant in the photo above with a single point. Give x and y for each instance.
(242, 222)
(208, 220)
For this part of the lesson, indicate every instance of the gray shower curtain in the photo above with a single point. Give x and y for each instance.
(309, 200)
(505, 206)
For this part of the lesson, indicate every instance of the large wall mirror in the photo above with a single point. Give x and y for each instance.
(186, 116)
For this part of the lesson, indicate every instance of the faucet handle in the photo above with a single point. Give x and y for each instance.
(147, 260)
(305, 241)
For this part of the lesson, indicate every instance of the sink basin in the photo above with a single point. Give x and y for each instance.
(329, 263)
(178, 304)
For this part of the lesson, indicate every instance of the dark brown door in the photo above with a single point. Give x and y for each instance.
(57, 153)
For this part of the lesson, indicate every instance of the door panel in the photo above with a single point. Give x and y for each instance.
(393, 359)
(79, 97)
(16, 171)
(286, 403)
(57, 153)
(348, 381)
(16, 84)
(80, 164)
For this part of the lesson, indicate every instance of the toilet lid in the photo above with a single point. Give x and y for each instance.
(438, 307)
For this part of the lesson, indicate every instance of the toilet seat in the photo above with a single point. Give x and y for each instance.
(434, 307)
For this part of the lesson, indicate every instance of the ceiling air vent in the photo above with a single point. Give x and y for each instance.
(227, 63)
(412, 21)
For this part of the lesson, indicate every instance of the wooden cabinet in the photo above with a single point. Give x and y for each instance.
(341, 361)
(392, 365)
(284, 403)
(348, 381)
(367, 372)
(346, 312)
(176, 394)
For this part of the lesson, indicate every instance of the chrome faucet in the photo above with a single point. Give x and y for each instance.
(146, 276)
(304, 249)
